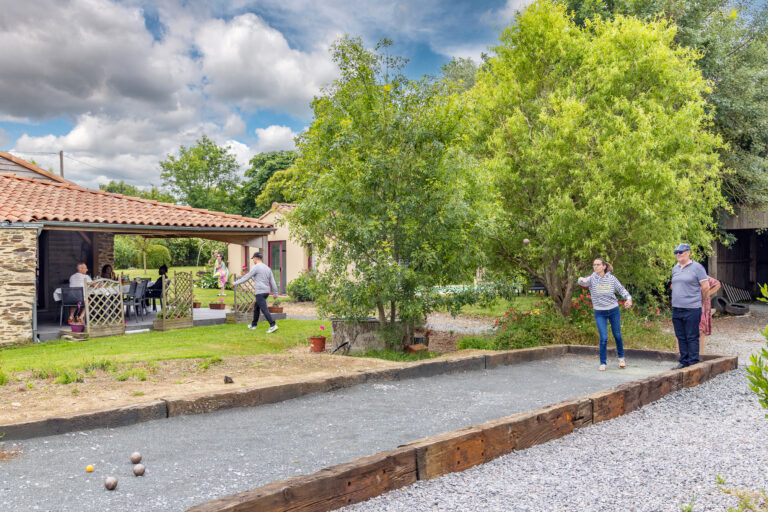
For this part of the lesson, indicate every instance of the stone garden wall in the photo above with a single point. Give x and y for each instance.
(18, 262)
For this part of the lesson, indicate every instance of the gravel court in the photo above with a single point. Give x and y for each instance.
(192, 459)
(654, 459)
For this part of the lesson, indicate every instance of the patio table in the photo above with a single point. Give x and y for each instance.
(125, 288)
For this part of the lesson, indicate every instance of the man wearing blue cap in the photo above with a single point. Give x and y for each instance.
(689, 288)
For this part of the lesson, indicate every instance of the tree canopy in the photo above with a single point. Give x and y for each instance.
(263, 167)
(731, 38)
(386, 204)
(597, 144)
(202, 176)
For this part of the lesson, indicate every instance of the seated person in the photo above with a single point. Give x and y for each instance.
(156, 290)
(78, 280)
(108, 273)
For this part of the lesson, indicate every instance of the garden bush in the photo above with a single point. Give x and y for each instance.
(208, 282)
(302, 289)
(126, 254)
(158, 255)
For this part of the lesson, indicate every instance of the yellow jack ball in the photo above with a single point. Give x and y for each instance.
(89, 468)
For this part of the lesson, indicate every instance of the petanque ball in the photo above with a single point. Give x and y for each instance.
(88, 468)
(110, 483)
(526, 241)
(135, 457)
(139, 469)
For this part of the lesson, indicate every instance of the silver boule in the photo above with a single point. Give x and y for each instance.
(139, 469)
(135, 457)
(110, 483)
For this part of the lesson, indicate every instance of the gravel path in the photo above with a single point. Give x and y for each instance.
(192, 459)
(658, 458)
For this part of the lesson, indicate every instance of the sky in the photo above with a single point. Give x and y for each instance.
(120, 85)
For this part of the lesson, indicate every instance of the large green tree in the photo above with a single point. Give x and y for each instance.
(203, 176)
(596, 139)
(386, 203)
(263, 167)
(731, 38)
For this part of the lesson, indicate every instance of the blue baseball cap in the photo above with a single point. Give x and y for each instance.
(682, 247)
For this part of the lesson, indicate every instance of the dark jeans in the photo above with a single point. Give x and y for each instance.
(261, 306)
(601, 319)
(686, 324)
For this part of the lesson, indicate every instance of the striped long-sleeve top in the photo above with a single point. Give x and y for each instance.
(603, 290)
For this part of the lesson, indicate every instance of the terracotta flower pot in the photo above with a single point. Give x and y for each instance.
(196, 304)
(275, 309)
(317, 343)
(217, 305)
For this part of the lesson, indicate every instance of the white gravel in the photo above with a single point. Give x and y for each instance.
(654, 459)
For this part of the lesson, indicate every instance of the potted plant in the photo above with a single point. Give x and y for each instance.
(195, 304)
(275, 307)
(317, 340)
(218, 305)
(76, 322)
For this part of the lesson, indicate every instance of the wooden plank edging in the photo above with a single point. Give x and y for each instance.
(461, 449)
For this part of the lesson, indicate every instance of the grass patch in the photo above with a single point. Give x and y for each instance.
(3, 378)
(139, 374)
(396, 355)
(137, 393)
(499, 306)
(206, 363)
(47, 360)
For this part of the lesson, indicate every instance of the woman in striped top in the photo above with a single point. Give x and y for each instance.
(603, 286)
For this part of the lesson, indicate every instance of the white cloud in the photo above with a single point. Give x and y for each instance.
(503, 16)
(274, 138)
(248, 62)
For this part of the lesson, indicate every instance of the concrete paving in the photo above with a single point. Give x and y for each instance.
(193, 459)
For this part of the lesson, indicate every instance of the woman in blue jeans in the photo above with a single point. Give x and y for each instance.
(603, 286)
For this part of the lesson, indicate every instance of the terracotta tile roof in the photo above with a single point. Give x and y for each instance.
(30, 200)
(276, 207)
(33, 167)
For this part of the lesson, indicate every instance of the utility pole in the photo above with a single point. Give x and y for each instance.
(61, 163)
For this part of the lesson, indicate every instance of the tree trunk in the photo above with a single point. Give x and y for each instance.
(559, 288)
(382, 314)
(144, 255)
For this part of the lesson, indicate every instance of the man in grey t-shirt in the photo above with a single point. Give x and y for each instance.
(263, 283)
(689, 287)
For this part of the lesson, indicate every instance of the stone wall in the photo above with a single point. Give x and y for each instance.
(104, 253)
(18, 262)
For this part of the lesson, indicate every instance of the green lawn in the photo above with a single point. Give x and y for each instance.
(203, 295)
(198, 342)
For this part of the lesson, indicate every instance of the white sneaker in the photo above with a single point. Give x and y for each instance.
(251, 326)
(272, 329)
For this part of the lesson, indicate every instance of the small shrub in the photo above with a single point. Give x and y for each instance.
(207, 281)
(69, 377)
(303, 288)
(125, 252)
(757, 370)
(158, 255)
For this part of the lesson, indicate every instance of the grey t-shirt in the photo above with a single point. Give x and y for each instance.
(263, 279)
(686, 285)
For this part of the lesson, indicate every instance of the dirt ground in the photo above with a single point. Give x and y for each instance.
(45, 399)
(20, 402)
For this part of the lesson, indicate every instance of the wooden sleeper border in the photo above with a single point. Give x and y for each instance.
(428, 458)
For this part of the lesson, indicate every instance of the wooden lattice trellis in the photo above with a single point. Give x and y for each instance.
(245, 301)
(104, 308)
(176, 312)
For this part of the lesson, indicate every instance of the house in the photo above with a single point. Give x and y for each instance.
(287, 258)
(49, 224)
(743, 264)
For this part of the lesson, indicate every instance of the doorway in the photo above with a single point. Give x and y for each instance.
(277, 263)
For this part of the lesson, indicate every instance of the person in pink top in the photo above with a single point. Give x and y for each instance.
(705, 325)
